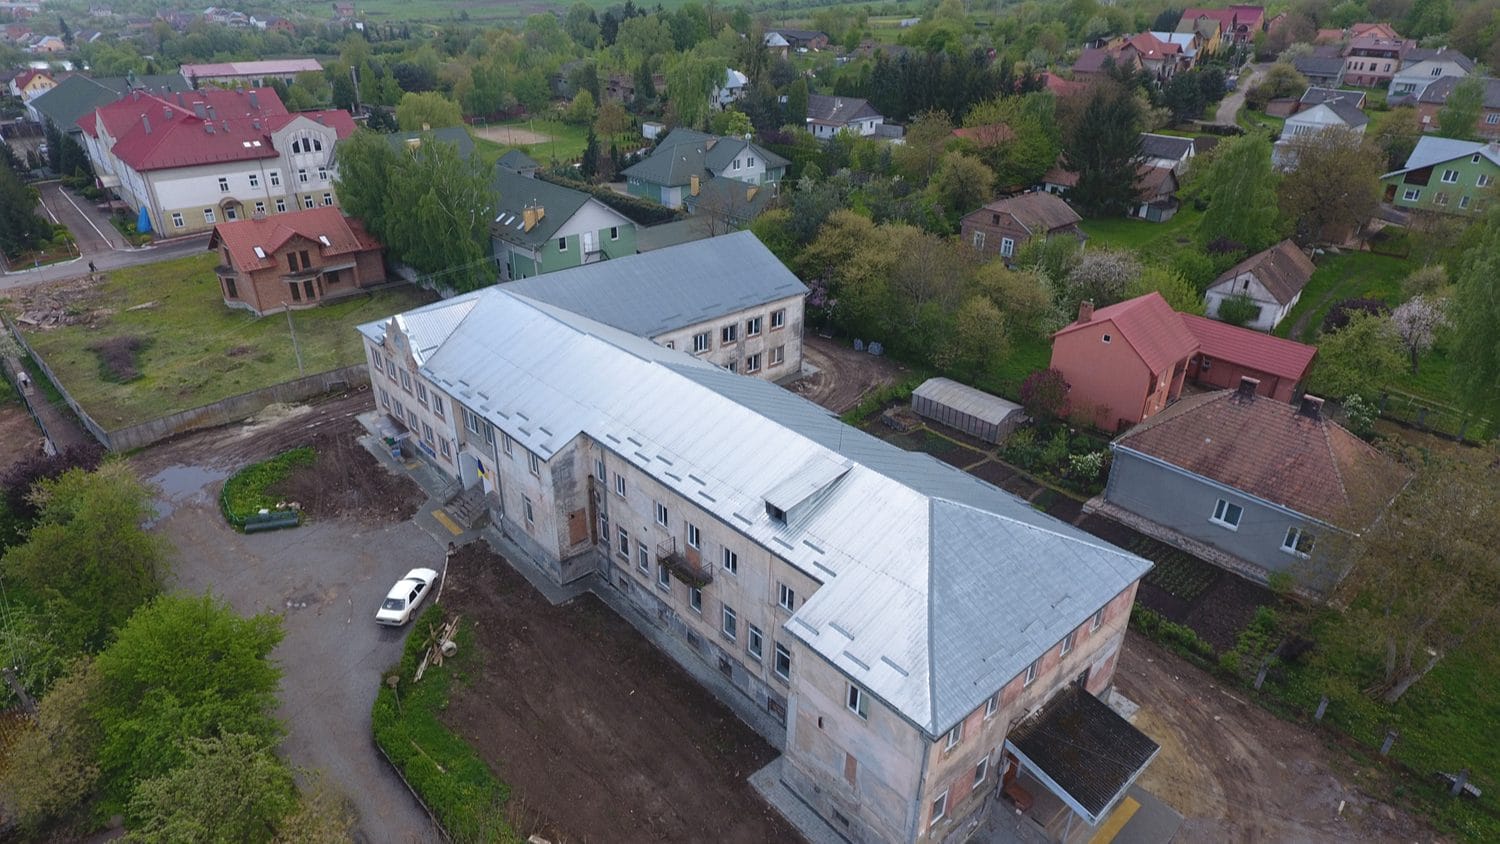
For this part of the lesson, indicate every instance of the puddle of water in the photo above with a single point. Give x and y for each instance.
(182, 485)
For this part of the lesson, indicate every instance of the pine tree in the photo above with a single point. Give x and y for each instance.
(590, 165)
(1104, 148)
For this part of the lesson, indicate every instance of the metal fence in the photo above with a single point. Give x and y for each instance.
(1434, 418)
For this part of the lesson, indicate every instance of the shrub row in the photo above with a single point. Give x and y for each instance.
(1178, 638)
(247, 491)
(878, 400)
(640, 211)
(445, 771)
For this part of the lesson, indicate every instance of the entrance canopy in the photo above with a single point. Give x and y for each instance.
(1082, 751)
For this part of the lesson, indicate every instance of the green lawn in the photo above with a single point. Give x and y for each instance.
(1350, 275)
(565, 141)
(1026, 355)
(1141, 237)
(197, 351)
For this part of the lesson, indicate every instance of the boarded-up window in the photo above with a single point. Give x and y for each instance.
(851, 767)
(578, 527)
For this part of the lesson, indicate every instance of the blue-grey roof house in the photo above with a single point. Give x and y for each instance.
(685, 160)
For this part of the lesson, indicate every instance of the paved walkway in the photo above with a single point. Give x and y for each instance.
(112, 260)
(91, 229)
(1229, 107)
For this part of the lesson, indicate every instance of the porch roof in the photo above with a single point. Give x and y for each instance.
(1083, 751)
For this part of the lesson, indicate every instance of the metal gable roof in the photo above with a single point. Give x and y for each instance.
(1431, 150)
(515, 192)
(666, 289)
(936, 584)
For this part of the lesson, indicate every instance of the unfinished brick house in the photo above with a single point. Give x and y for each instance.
(295, 260)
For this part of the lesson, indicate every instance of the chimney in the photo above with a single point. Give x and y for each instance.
(254, 101)
(212, 115)
(693, 185)
(532, 215)
(166, 112)
(1247, 387)
(200, 110)
(146, 123)
(180, 101)
(1311, 407)
(1085, 311)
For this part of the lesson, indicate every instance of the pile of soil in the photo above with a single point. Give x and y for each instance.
(347, 482)
(599, 735)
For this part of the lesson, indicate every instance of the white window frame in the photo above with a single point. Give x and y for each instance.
(661, 514)
(624, 538)
(731, 561)
(1097, 620)
(260, 206)
(991, 706)
(854, 701)
(274, 178)
(695, 599)
(663, 577)
(327, 198)
(1411, 195)
(1290, 544)
(223, 184)
(1450, 177)
(939, 808)
(752, 327)
(981, 771)
(302, 176)
(778, 318)
(694, 537)
(978, 239)
(1007, 247)
(729, 334)
(1066, 647)
(729, 623)
(643, 557)
(177, 220)
(254, 180)
(281, 206)
(534, 463)
(1463, 202)
(1492, 119)
(1031, 671)
(599, 471)
(752, 363)
(507, 444)
(308, 202)
(619, 485)
(786, 597)
(1484, 180)
(1222, 510)
(778, 356)
(702, 342)
(209, 216)
(526, 505)
(955, 737)
(755, 642)
(782, 652)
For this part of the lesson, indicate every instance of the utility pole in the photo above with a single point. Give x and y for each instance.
(293, 329)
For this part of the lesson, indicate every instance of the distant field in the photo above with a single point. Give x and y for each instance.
(479, 11)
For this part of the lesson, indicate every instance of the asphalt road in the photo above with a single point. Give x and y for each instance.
(164, 251)
(1229, 107)
(325, 580)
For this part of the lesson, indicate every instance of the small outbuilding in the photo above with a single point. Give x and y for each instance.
(976, 413)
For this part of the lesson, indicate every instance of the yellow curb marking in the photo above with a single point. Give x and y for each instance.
(1116, 821)
(446, 522)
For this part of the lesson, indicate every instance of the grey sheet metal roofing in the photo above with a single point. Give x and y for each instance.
(667, 289)
(685, 153)
(937, 588)
(966, 399)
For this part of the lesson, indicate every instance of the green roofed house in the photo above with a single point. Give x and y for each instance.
(1443, 174)
(78, 95)
(685, 160)
(540, 227)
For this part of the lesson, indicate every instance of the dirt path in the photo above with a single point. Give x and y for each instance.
(600, 735)
(844, 376)
(20, 434)
(1229, 107)
(1237, 772)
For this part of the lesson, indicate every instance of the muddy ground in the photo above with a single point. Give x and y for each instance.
(844, 375)
(599, 735)
(345, 482)
(20, 435)
(1238, 773)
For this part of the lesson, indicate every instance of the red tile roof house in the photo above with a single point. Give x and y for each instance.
(1272, 279)
(1125, 362)
(295, 260)
(1249, 483)
(1227, 353)
(1003, 226)
(194, 159)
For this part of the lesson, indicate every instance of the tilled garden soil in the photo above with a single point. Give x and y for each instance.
(599, 736)
(346, 482)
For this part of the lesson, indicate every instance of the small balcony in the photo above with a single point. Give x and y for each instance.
(685, 564)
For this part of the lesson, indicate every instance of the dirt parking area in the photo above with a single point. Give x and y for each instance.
(599, 735)
(511, 136)
(844, 376)
(1238, 773)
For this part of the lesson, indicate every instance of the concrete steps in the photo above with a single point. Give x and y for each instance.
(468, 509)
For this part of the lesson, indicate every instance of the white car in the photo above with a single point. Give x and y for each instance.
(405, 597)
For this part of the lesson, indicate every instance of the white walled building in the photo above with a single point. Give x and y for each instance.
(194, 159)
(726, 300)
(901, 618)
(829, 115)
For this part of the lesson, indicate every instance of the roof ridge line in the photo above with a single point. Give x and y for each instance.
(1102, 545)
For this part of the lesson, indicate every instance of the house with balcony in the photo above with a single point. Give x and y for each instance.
(685, 159)
(918, 637)
(187, 161)
(728, 301)
(1445, 175)
(1249, 483)
(541, 227)
(295, 260)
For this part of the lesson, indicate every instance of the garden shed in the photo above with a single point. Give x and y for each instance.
(976, 413)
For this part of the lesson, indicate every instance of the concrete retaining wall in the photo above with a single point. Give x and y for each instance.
(224, 411)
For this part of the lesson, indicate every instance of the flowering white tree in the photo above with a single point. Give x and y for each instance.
(1417, 321)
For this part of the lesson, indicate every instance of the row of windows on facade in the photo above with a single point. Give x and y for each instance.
(273, 178)
(1295, 541)
(704, 340)
(1441, 198)
(1007, 245)
(231, 213)
(298, 290)
(588, 240)
(409, 418)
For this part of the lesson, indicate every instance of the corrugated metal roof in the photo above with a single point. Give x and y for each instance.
(655, 292)
(1431, 150)
(961, 397)
(937, 587)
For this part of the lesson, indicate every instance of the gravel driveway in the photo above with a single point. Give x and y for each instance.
(325, 580)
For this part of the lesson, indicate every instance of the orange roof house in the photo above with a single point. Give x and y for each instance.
(1227, 353)
(294, 260)
(1125, 362)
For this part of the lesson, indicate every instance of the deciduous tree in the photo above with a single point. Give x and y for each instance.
(229, 787)
(1101, 276)
(1476, 310)
(1362, 357)
(53, 766)
(1418, 321)
(1178, 291)
(1239, 186)
(961, 184)
(1460, 113)
(427, 110)
(1333, 187)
